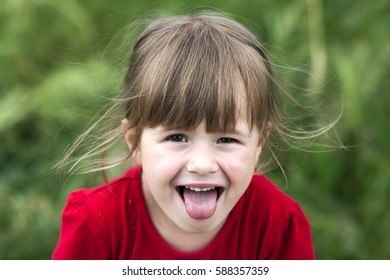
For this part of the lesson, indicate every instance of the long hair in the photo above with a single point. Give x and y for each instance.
(187, 69)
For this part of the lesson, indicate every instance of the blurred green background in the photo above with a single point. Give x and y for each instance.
(61, 60)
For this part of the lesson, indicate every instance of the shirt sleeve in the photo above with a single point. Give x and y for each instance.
(295, 241)
(80, 237)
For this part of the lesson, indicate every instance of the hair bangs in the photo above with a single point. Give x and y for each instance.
(192, 78)
(195, 70)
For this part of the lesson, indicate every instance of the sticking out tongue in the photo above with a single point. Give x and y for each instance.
(200, 205)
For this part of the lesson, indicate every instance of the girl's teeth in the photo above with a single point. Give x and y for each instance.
(199, 189)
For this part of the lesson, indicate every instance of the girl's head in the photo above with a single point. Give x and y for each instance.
(203, 67)
(198, 102)
(185, 70)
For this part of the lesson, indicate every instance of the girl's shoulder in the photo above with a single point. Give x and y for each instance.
(278, 219)
(96, 218)
(106, 201)
(264, 201)
(264, 190)
(114, 189)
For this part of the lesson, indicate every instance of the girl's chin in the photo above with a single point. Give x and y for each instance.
(197, 226)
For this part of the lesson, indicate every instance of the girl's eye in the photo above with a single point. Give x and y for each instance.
(177, 138)
(226, 140)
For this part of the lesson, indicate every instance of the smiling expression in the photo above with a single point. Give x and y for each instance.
(208, 166)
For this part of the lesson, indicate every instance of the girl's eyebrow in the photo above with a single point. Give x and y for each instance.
(163, 129)
(241, 129)
(238, 131)
(242, 133)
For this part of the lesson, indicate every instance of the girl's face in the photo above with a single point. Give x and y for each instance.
(192, 179)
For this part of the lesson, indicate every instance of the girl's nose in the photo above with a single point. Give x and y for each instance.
(202, 161)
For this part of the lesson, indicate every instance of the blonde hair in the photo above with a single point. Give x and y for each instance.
(187, 69)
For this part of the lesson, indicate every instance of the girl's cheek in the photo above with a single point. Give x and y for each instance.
(166, 165)
(238, 164)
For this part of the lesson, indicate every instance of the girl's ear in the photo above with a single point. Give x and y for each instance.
(129, 134)
(263, 138)
(259, 147)
(268, 129)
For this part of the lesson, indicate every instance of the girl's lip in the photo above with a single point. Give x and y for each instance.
(180, 188)
(202, 185)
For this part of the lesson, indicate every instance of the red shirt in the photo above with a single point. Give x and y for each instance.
(113, 223)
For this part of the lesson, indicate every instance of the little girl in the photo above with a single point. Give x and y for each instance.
(198, 107)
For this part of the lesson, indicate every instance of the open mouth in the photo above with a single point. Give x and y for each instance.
(200, 202)
(181, 189)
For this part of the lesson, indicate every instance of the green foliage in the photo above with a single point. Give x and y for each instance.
(61, 60)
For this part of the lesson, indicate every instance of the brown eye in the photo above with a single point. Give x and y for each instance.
(177, 138)
(226, 140)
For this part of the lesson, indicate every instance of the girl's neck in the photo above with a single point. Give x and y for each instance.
(183, 241)
(174, 236)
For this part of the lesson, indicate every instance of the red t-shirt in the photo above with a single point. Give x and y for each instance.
(113, 223)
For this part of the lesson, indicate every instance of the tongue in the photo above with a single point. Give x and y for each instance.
(200, 205)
